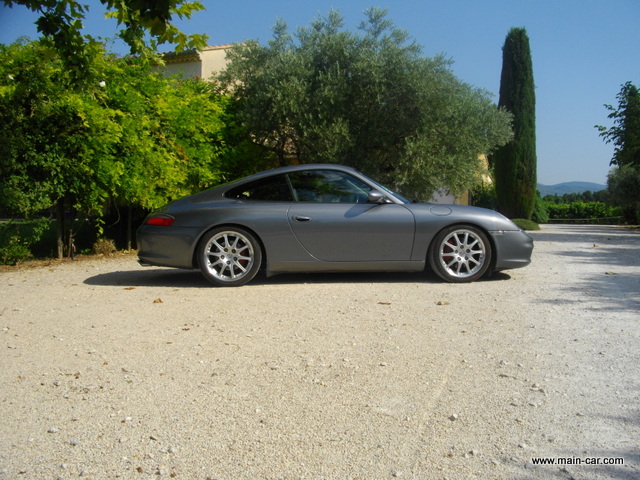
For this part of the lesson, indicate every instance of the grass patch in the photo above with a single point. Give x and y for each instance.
(525, 224)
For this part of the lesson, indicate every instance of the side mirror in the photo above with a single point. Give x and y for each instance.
(377, 197)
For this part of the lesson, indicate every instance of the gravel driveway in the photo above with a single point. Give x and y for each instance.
(112, 370)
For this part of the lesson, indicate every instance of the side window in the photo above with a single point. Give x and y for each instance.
(271, 189)
(328, 186)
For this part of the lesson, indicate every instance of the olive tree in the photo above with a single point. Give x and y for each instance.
(367, 99)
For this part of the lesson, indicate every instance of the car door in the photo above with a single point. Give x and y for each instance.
(334, 222)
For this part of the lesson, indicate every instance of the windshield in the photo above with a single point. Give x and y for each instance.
(387, 190)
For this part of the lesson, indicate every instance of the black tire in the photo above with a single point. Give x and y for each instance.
(460, 254)
(229, 256)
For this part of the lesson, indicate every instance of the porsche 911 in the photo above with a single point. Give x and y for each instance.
(326, 218)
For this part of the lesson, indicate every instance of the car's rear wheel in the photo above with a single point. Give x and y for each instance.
(460, 253)
(229, 256)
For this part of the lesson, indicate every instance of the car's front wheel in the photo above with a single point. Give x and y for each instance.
(460, 253)
(229, 256)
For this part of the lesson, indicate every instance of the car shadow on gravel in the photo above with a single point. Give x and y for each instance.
(363, 277)
(173, 278)
(156, 277)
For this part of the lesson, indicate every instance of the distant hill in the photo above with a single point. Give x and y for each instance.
(569, 187)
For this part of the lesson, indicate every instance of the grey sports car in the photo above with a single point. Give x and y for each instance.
(325, 218)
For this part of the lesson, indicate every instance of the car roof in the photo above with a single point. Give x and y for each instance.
(297, 168)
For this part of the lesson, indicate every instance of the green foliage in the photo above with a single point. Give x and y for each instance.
(144, 24)
(526, 224)
(14, 251)
(171, 140)
(134, 139)
(56, 141)
(625, 133)
(484, 195)
(586, 196)
(540, 212)
(584, 207)
(583, 212)
(624, 187)
(142, 17)
(514, 164)
(17, 238)
(366, 99)
(242, 156)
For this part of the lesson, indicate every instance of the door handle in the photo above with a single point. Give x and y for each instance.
(301, 218)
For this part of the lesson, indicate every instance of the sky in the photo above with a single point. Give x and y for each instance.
(583, 51)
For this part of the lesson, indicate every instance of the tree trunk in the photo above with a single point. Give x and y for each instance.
(129, 233)
(60, 228)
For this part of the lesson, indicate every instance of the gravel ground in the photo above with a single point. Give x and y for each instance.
(112, 370)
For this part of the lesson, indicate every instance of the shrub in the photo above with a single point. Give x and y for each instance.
(17, 237)
(13, 252)
(525, 224)
(584, 212)
(104, 246)
(540, 212)
(484, 196)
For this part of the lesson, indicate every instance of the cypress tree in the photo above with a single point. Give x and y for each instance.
(514, 164)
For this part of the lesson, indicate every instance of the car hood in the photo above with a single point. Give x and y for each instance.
(488, 219)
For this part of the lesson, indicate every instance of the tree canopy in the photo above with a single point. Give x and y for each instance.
(133, 139)
(367, 99)
(145, 24)
(625, 132)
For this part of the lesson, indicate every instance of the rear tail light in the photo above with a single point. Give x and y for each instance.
(160, 220)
